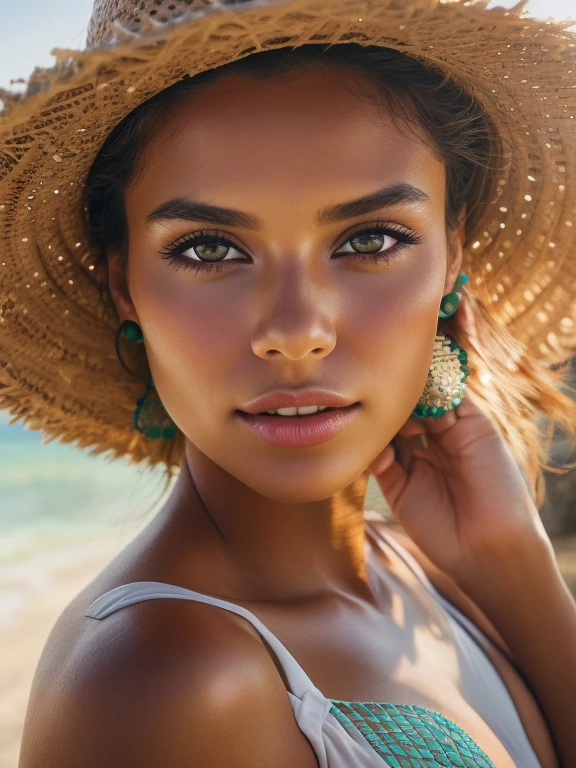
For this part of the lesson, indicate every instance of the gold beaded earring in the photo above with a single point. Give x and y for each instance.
(445, 387)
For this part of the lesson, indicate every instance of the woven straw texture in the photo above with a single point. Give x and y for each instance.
(58, 368)
(409, 736)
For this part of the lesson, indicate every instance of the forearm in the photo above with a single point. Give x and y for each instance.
(522, 592)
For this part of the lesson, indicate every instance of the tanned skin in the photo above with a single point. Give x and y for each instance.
(281, 531)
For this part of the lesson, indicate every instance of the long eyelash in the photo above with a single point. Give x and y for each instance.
(381, 227)
(173, 253)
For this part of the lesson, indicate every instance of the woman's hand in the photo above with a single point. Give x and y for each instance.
(464, 496)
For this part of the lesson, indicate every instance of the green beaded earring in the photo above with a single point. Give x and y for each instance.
(149, 417)
(131, 331)
(445, 387)
(451, 301)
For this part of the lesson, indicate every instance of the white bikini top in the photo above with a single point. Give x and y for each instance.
(372, 734)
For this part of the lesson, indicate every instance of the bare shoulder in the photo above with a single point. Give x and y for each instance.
(444, 584)
(160, 682)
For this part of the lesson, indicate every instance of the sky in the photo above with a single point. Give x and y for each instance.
(29, 30)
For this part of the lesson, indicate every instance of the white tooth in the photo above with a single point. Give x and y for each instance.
(305, 410)
(287, 411)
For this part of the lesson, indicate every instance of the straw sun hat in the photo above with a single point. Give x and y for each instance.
(58, 367)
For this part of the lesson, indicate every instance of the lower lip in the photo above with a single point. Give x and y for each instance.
(299, 431)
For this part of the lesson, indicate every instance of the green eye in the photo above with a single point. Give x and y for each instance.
(369, 243)
(211, 251)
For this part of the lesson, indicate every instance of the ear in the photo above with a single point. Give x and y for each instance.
(455, 248)
(118, 286)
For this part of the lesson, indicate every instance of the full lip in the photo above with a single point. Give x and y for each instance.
(297, 399)
(299, 431)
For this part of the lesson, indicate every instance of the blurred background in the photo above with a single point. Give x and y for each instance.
(63, 513)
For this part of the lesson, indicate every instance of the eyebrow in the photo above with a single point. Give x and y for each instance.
(193, 210)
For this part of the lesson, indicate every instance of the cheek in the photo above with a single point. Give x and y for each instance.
(195, 336)
(392, 329)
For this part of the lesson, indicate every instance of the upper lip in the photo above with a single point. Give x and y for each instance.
(297, 399)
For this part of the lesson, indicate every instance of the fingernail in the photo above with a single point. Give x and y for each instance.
(424, 442)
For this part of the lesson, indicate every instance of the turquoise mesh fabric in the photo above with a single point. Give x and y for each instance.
(409, 736)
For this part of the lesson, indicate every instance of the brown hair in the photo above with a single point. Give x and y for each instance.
(513, 388)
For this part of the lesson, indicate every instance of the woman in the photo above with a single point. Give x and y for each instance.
(279, 206)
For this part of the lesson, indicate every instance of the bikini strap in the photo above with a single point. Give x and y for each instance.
(128, 594)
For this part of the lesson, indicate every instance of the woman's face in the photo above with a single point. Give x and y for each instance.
(290, 299)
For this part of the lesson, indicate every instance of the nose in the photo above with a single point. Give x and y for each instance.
(297, 319)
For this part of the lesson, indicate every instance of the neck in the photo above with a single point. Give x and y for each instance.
(260, 549)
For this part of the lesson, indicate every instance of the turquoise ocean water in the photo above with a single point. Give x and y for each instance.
(57, 503)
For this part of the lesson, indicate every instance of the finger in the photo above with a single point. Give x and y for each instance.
(429, 425)
(440, 425)
(469, 407)
(423, 442)
(417, 442)
(412, 427)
